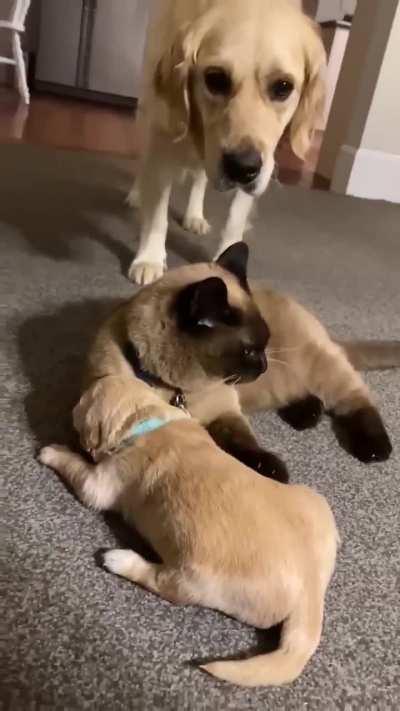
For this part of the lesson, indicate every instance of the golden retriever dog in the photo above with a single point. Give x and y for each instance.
(229, 539)
(223, 79)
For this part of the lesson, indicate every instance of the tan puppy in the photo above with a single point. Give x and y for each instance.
(228, 539)
(222, 81)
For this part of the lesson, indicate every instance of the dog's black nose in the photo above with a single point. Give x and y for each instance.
(242, 167)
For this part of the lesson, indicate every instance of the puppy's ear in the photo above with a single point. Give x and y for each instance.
(311, 105)
(201, 306)
(171, 78)
(235, 260)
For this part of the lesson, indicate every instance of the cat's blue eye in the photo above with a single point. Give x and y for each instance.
(207, 322)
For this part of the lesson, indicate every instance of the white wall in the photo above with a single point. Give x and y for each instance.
(328, 10)
(360, 153)
(382, 128)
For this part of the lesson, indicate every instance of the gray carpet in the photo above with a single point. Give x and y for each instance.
(77, 638)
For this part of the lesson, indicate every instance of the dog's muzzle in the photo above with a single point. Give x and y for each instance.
(242, 167)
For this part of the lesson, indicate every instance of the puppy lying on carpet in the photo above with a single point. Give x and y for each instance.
(228, 539)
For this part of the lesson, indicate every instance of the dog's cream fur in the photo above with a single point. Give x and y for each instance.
(186, 128)
(228, 538)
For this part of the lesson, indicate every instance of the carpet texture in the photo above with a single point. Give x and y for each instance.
(75, 637)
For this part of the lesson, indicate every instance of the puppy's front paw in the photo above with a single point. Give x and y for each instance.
(123, 562)
(143, 273)
(363, 435)
(196, 225)
(49, 455)
(117, 560)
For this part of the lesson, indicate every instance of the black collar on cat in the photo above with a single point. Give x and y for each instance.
(178, 398)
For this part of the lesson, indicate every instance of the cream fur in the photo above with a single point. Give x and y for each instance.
(185, 129)
(228, 539)
(307, 361)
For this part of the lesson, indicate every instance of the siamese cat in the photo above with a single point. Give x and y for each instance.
(207, 343)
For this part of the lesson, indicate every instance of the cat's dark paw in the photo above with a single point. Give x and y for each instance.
(363, 435)
(264, 463)
(302, 414)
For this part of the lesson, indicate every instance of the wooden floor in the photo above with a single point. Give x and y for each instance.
(83, 125)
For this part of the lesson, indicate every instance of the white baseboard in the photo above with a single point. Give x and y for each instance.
(368, 174)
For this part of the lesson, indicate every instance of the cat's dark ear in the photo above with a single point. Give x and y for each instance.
(235, 260)
(200, 306)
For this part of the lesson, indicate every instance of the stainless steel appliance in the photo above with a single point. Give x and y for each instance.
(92, 48)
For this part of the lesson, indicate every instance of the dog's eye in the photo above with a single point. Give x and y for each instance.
(280, 89)
(217, 81)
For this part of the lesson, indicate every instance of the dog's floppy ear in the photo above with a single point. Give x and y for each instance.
(312, 100)
(171, 78)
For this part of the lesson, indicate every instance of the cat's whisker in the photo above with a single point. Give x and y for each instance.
(277, 360)
(283, 350)
(232, 380)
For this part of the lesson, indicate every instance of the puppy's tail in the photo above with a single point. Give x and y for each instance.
(372, 355)
(300, 637)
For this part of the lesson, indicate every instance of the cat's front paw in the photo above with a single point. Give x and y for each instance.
(363, 435)
(264, 463)
(302, 414)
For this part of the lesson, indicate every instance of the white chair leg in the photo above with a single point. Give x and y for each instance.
(20, 68)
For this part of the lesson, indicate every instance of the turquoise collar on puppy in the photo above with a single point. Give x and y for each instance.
(145, 427)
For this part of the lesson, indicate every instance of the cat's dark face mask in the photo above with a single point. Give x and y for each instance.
(230, 340)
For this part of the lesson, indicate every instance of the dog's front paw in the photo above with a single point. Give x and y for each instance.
(49, 455)
(133, 197)
(143, 273)
(196, 225)
(363, 435)
(264, 463)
